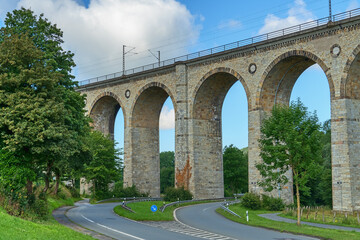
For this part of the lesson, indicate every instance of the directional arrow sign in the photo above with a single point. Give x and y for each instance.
(153, 208)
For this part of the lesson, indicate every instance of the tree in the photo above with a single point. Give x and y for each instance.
(167, 159)
(47, 38)
(40, 88)
(320, 185)
(31, 116)
(290, 141)
(103, 167)
(167, 170)
(235, 169)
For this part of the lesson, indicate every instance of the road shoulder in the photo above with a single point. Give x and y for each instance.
(60, 216)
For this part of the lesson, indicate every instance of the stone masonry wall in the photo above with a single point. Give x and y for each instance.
(267, 72)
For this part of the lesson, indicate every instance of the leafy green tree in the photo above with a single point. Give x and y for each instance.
(31, 116)
(167, 159)
(47, 38)
(167, 170)
(320, 185)
(235, 169)
(47, 73)
(103, 167)
(324, 188)
(290, 140)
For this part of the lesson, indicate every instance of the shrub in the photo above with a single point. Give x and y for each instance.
(75, 193)
(40, 208)
(228, 193)
(272, 204)
(121, 192)
(61, 195)
(251, 201)
(175, 194)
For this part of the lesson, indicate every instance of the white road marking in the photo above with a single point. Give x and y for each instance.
(205, 209)
(114, 230)
(195, 232)
(87, 219)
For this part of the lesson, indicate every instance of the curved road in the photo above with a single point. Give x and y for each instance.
(204, 217)
(194, 222)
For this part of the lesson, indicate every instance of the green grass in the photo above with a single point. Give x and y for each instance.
(55, 203)
(339, 220)
(255, 220)
(143, 212)
(15, 228)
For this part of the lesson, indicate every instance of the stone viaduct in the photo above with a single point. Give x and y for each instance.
(268, 70)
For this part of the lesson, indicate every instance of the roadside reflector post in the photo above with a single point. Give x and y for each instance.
(247, 216)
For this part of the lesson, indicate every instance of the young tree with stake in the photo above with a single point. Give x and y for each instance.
(290, 140)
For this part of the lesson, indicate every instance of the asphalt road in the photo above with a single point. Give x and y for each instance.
(204, 217)
(101, 218)
(194, 222)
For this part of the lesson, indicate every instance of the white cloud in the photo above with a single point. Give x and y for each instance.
(232, 24)
(96, 34)
(296, 15)
(167, 118)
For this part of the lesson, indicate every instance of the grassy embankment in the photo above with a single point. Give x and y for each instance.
(15, 228)
(340, 219)
(143, 212)
(255, 220)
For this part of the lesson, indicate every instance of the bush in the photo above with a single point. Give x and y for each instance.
(61, 195)
(121, 192)
(251, 201)
(228, 193)
(75, 193)
(272, 204)
(40, 208)
(175, 194)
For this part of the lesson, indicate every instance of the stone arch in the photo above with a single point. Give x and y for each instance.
(103, 111)
(350, 83)
(280, 76)
(153, 85)
(219, 71)
(205, 112)
(144, 132)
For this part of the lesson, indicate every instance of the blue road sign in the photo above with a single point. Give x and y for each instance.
(153, 208)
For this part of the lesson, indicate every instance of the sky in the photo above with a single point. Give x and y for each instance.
(96, 30)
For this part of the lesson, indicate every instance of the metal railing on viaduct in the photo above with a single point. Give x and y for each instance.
(230, 46)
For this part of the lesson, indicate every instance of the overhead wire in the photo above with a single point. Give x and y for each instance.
(212, 30)
(204, 33)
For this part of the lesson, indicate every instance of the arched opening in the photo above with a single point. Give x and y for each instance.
(235, 140)
(280, 80)
(145, 157)
(207, 131)
(352, 82)
(103, 114)
(301, 75)
(167, 145)
(109, 119)
(119, 138)
(313, 90)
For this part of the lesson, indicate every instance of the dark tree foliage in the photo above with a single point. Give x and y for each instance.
(235, 170)
(103, 167)
(320, 185)
(167, 170)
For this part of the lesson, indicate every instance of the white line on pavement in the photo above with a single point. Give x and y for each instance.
(114, 230)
